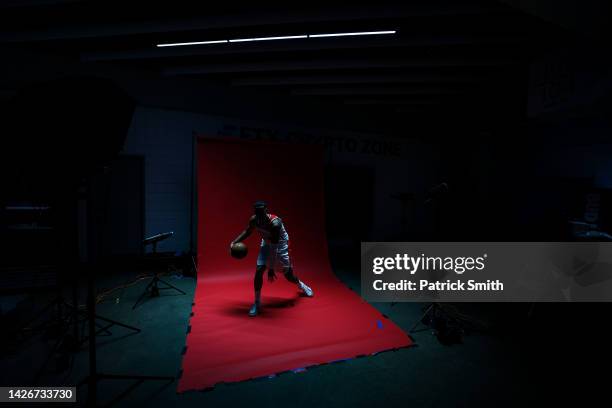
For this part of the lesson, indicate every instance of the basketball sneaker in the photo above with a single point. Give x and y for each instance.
(307, 291)
(254, 309)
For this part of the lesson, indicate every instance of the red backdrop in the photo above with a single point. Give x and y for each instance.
(292, 331)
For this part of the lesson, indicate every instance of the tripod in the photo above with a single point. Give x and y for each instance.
(90, 265)
(59, 325)
(445, 324)
(94, 376)
(72, 342)
(152, 289)
(448, 324)
(431, 312)
(65, 318)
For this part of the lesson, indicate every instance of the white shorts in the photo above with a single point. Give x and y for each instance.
(282, 254)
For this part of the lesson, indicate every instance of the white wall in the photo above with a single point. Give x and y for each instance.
(165, 139)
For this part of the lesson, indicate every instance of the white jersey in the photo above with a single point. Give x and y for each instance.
(265, 256)
(265, 229)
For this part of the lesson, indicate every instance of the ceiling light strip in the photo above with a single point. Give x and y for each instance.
(192, 43)
(352, 34)
(286, 37)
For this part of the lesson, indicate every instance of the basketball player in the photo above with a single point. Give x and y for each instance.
(274, 247)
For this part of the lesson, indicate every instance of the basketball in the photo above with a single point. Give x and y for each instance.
(239, 250)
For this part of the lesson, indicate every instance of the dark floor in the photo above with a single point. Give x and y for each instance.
(489, 368)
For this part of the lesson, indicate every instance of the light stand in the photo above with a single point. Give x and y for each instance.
(152, 289)
(431, 312)
(94, 376)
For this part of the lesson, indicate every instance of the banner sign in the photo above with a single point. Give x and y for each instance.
(486, 271)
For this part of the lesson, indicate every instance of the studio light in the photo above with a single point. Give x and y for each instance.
(285, 37)
(192, 43)
(352, 34)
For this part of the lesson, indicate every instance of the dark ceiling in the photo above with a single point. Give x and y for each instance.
(451, 58)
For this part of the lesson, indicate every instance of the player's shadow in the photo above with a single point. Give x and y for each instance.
(270, 306)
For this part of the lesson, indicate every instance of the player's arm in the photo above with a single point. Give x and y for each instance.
(275, 232)
(245, 234)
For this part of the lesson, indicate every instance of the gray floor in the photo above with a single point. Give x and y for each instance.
(478, 372)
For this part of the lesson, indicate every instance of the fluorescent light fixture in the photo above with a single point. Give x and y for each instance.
(192, 43)
(351, 34)
(286, 37)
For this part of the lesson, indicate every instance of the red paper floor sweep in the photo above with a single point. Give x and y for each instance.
(292, 331)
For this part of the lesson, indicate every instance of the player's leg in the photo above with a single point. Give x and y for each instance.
(285, 260)
(258, 280)
(290, 276)
(257, 284)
